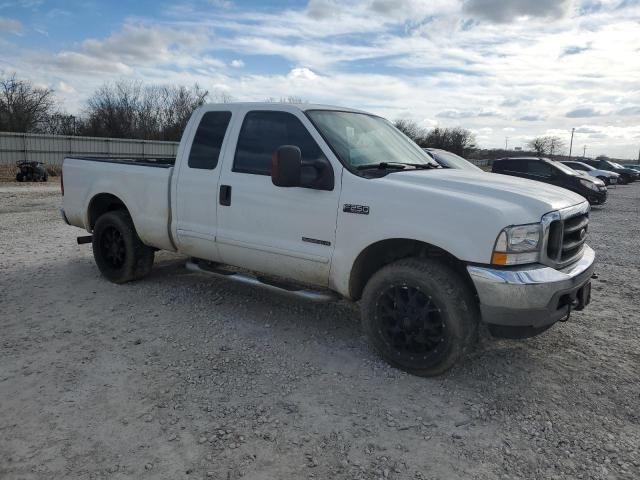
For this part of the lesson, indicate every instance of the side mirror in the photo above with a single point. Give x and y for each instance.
(286, 166)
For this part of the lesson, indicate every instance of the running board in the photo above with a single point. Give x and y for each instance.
(273, 285)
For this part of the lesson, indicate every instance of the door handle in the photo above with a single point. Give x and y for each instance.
(225, 195)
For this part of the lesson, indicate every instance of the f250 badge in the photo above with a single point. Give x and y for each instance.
(359, 209)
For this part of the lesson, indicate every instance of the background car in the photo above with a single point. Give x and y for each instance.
(609, 178)
(555, 173)
(635, 167)
(627, 175)
(451, 160)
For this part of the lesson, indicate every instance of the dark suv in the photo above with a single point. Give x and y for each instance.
(555, 173)
(627, 175)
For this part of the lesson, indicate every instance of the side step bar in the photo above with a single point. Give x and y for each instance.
(292, 290)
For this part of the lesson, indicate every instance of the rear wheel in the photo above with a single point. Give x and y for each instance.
(19, 177)
(419, 315)
(118, 251)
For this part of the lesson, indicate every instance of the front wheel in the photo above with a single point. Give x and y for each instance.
(119, 253)
(419, 315)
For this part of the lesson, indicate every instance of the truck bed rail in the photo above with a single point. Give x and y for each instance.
(157, 162)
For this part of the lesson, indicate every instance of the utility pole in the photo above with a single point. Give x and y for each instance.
(571, 143)
(584, 152)
(506, 143)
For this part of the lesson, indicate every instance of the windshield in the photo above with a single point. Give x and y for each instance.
(451, 160)
(582, 166)
(360, 139)
(564, 168)
(616, 165)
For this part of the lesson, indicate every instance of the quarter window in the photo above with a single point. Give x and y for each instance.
(207, 142)
(262, 133)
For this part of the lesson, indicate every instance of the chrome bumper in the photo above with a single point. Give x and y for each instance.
(530, 296)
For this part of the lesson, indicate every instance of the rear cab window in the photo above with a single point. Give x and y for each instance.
(207, 142)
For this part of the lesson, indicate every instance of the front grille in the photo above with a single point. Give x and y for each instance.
(567, 237)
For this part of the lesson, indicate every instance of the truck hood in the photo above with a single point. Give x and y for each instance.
(490, 189)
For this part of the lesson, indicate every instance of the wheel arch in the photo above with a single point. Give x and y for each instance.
(384, 252)
(100, 204)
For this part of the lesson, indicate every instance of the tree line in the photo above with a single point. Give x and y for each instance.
(456, 140)
(124, 109)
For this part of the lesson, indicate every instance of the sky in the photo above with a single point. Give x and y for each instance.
(509, 70)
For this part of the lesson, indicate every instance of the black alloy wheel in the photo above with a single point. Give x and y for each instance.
(410, 322)
(113, 247)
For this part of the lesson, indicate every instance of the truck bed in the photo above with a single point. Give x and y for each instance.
(143, 185)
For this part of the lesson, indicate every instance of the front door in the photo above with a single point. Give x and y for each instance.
(288, 232)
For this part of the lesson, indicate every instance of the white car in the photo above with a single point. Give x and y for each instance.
(609, 178)
(325, 202)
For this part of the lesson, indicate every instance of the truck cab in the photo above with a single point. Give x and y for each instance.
(323, 202)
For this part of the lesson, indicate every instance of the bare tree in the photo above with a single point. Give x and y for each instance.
(62, 124)
(24, 107)
(556, 145)
(456, 140)
(548, 145)
(411, 129)
(540, 145)
(132, 110)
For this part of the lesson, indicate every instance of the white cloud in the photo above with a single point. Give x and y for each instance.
(10, 25)
(508, 10)
(237, 63)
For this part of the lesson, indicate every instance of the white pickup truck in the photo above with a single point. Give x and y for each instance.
(321, 202)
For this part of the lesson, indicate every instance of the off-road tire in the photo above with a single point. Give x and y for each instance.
(137, 258)
(457, 313)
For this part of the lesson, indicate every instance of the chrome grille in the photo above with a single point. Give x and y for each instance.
(566, 238)
(564, 235)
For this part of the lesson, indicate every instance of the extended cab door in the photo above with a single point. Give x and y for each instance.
(197, 185)
(289, 232)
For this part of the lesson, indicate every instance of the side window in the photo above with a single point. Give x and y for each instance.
(207, 142)
(262, 133)
(512, 165)
(537, 167)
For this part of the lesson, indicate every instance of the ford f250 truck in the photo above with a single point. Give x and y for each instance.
(319, 202)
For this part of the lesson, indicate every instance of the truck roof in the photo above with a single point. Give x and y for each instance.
(284, 106)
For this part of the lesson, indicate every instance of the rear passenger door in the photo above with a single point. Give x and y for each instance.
(541, 171)
(197, 185)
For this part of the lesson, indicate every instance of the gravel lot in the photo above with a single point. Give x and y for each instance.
(183, 376)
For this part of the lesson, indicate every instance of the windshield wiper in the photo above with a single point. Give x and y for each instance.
(424, 166)
(395, 166)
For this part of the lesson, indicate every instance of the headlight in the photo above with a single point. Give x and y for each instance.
(589, 184)
(518, 245)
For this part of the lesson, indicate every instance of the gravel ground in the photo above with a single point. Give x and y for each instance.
(183, 376)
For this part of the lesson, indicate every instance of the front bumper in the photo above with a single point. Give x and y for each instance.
(597, 198)
(530, 296)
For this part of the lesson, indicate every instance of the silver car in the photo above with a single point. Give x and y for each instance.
(609, 178)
